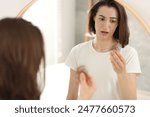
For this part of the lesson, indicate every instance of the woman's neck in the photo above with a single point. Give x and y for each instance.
(104, 45)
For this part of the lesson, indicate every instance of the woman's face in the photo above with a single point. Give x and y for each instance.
(106, 22)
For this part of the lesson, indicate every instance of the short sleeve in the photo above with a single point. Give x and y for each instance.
(132, 62)
(71, 60)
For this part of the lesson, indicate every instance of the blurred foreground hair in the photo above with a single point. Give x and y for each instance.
(21, 53)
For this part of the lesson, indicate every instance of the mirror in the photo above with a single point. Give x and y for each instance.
(139, 26)
(56, 19)
(42, 15)
(63, 27)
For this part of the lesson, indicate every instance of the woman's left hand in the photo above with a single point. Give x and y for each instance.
(118, 62)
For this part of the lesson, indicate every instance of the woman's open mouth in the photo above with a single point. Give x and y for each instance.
(104, 33)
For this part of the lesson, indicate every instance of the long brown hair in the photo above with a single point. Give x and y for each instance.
(21, 53)
(122, 31)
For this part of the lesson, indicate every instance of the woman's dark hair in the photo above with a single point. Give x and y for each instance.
(122, 31)
(21, 53)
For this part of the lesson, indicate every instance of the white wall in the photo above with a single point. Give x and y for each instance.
(43, 13)
(66, 37)
(10, 8)
(142, 7)
(56, 19)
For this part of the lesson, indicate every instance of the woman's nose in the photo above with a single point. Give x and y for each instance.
(106, 24)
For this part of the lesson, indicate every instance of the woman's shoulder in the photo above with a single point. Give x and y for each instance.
(83, 45)
(128, 50)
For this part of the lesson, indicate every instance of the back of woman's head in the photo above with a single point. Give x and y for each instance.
(21, 52)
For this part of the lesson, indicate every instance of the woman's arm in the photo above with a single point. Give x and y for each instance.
(73, 86)
(127, 86)
(126, 81)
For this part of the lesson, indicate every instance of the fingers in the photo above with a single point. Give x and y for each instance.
(85, 79)
(114, 63)
(92, 82)
(82, 78)
(119, 56)
(81, 69)
(117, 60)
(87, 84)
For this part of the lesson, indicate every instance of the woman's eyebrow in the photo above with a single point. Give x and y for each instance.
(114, 18)
(110, 17)
(102, 16)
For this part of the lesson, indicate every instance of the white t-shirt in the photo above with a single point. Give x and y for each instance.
(99, 66)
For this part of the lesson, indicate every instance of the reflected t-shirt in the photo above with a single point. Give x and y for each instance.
(99, 66)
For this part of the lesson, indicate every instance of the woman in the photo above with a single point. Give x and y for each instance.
(21, 52)
(108, 58)
(21, 56)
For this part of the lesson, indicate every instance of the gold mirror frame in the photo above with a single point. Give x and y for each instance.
(136, 14)
(22, 12)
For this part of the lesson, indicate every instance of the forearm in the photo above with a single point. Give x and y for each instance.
(73, 86)
(73, 92)
(72, 97)
(127, 87)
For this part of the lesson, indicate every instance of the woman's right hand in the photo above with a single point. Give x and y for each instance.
(87, 86)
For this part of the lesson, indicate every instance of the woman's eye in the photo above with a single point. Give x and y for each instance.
(113, 21)
(102, 19)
